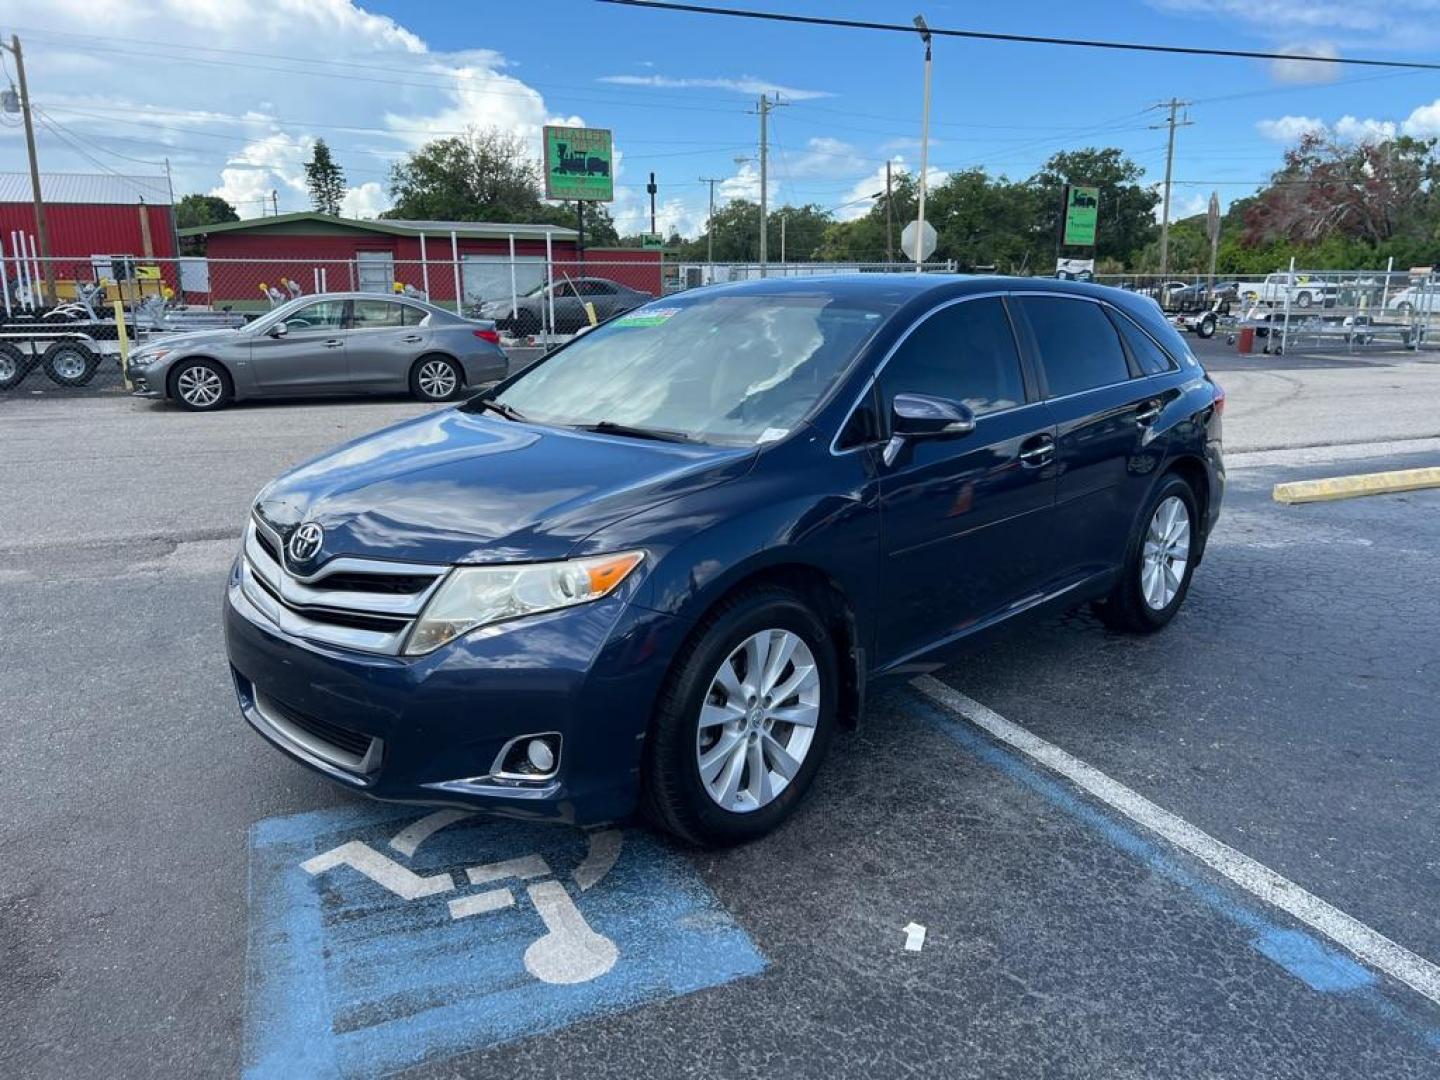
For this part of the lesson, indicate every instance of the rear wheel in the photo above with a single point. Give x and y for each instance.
(1205, 328)
(1159, 562)
(744, 720)
(435, 378)
(70, 363)
(201, 386)
(14, 365)
(1304, 300)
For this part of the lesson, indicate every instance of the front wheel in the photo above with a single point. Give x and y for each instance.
(1159, 562)
(435, 378)
(1205, 328)
(14, 365)
(1304, 300)
(201, 386)
(744, 720)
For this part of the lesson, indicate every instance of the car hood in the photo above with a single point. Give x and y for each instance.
(456, 487)
(188, 340)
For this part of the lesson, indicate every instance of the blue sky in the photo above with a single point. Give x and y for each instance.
(679, 90)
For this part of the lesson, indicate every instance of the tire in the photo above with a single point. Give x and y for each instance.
(70, 364)
(1205, 328)
(435, 378)
(1304, 300)
(193, 386)
(675, 795)
(14, 366)
(1132, 604)
(1405, 309)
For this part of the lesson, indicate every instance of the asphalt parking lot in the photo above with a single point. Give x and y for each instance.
(178, 900)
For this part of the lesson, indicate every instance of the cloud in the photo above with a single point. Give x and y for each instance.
(1388, 24)
(1301, 71)
(745, 84)
(861, 196)
(365, 201)
(1423, 122)
(1368, 130)
(1289, 129)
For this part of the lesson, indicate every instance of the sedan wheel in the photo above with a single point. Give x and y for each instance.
(1166, 553)
(436, 379)
(758, 720)
(201, 386)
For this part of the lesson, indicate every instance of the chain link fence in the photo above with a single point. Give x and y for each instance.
(61, 320)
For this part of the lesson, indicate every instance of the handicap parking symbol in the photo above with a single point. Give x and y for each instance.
(383, 937)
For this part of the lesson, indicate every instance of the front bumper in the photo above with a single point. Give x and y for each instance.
(427, 729)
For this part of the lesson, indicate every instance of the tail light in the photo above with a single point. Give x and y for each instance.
(492, 336)
(1219, 401)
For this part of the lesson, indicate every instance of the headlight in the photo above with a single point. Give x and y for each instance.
(475, 596)
(147, 358)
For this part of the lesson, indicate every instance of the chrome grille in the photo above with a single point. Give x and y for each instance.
(363, 604)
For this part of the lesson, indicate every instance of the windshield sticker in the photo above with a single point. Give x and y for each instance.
(772, 434)
(647, 317)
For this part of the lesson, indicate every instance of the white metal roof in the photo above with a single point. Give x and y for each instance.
(88, 188)
(484, 228)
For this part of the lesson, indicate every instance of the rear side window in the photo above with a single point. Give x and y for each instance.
(1078, 345)
(1148, 355)
(965, 352)
(412, 316)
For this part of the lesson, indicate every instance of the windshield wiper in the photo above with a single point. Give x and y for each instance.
(609, 427)
(507, 411)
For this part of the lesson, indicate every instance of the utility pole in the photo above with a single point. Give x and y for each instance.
(275, 201)
(1174, 105)
(41, 230)
(924, 143)
(710, 221)
(889, 218)
(650, 188)
(764, 154)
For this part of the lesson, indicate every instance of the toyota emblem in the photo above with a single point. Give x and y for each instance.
(305, 542)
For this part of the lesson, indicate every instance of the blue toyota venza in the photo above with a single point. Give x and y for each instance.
(662, 565)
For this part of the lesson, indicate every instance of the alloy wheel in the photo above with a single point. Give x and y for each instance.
(1166, 553)
(9, 367)
(437, 380)
(758, 720)
(199, 386)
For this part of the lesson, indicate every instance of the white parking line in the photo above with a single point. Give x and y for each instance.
(1367, 945)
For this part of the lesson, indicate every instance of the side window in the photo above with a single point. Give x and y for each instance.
(863, 426)
(326, 315)
(1078, 346)
(1151, 358)
(965, 352)
(599, 288)
(412, 316)
(370, 314)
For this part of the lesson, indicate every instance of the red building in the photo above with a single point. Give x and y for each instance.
(90, 217)
(324, 253)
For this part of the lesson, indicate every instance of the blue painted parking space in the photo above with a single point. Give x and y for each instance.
(382, 937)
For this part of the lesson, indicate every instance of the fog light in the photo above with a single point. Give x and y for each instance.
(528, 757)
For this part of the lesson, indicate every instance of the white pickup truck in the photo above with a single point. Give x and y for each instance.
(1302, 290)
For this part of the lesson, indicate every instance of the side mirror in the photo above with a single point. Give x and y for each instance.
(919, 416)
(279, 330)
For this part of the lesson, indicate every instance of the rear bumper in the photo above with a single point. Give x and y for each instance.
(428, 729)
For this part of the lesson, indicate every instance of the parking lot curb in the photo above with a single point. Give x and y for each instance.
(1349, 487)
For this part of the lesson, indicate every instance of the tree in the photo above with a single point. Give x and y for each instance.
(737, 234)
(195, 210)
(325, 179)
(482, 175)
(1126, 221)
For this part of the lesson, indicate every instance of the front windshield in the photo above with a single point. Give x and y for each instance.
(722, 368)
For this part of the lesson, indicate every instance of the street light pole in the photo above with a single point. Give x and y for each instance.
(710, 221)
(924, 144)
(41, 230)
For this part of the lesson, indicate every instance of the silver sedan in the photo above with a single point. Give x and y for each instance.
(333, 343)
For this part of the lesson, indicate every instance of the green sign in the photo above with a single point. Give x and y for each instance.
(578, 164)
(1081, 206)
(652, 241)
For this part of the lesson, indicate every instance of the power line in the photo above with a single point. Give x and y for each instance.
(1024, 39)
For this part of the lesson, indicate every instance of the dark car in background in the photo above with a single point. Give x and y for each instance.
(664, 564)
(332, 343)
(530, 314)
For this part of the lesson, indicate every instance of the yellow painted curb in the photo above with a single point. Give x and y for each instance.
(1348, 487)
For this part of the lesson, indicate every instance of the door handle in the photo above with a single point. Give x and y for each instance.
(412, 339)
(1037, 452)
(1147, 412)
(334, 343)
